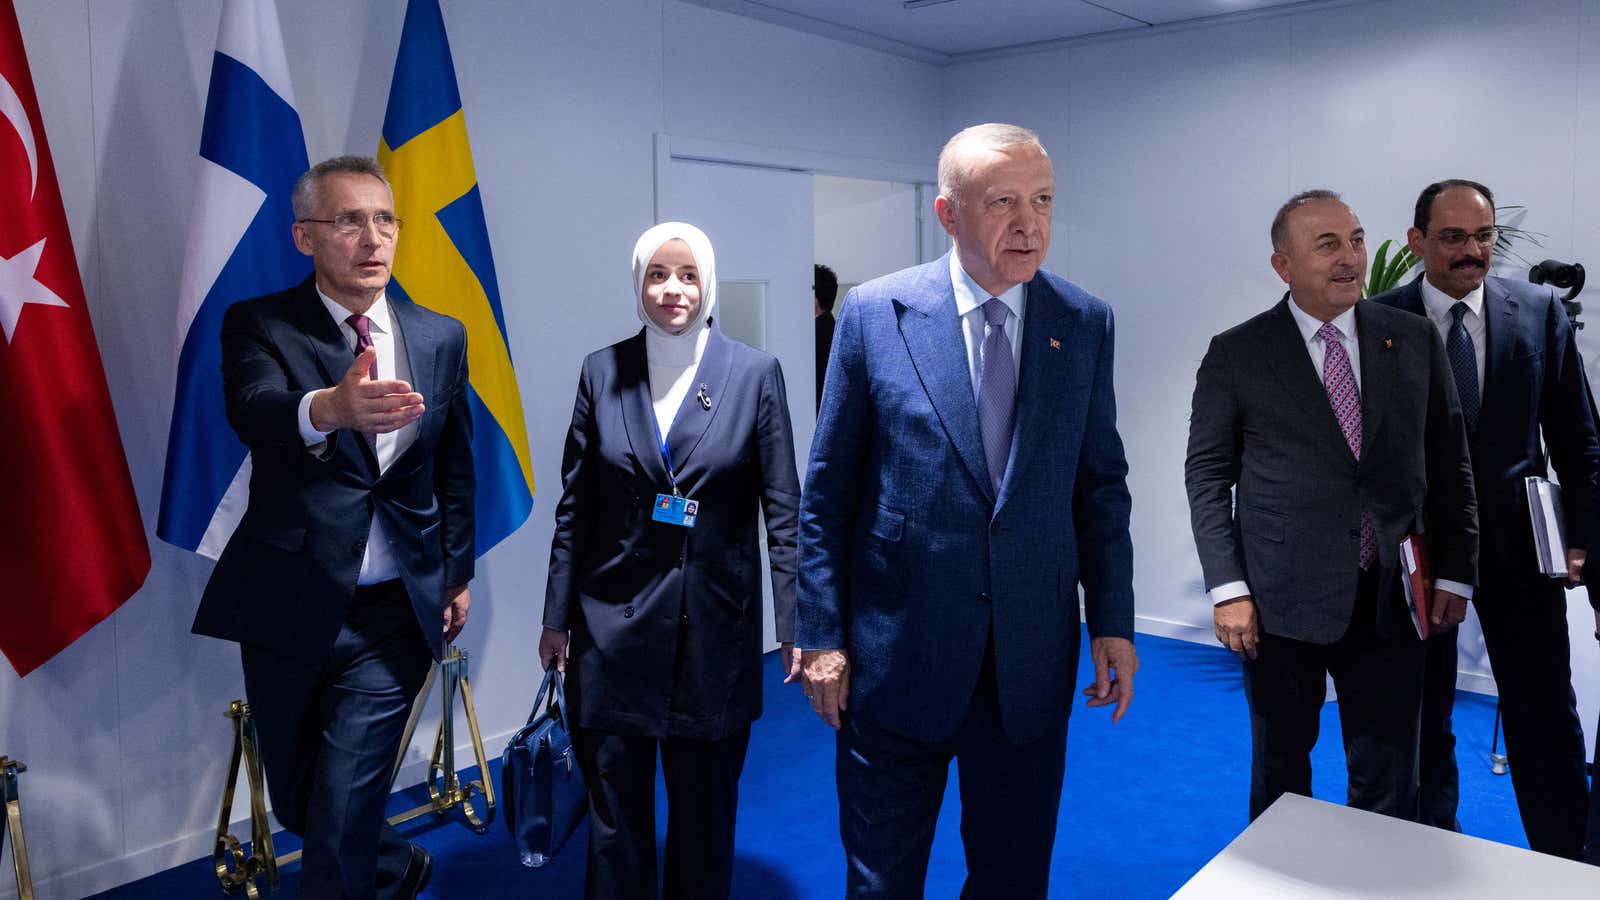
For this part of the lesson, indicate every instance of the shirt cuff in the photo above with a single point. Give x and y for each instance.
(1233, 590)
(1463, 591)
(309, 434)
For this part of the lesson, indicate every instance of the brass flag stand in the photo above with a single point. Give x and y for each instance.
(9, 769)
(445, 789)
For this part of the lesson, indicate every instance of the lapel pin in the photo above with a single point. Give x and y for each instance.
(1388, 344)
(1055, 344)
(703, 397)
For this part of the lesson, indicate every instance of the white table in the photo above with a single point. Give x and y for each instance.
(1309, 848)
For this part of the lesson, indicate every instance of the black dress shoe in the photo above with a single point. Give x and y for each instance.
(417, 873)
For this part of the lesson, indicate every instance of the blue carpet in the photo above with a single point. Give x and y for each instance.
(1147, 801)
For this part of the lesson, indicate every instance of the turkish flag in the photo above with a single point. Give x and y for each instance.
(72, 545)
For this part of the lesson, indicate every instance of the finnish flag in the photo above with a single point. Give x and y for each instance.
(251, 151)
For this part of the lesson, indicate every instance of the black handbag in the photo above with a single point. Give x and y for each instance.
(540, 782)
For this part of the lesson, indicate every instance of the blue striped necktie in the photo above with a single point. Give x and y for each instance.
(997, 390)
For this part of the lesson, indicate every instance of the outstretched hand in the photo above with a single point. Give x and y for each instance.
(361, 403)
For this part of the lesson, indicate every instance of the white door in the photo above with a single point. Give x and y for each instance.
(759, 222)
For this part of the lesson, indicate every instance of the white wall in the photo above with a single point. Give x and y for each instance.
(123, 732)
(1173, 151)
(864, 228)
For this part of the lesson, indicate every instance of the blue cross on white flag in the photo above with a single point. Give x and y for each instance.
(251, 151)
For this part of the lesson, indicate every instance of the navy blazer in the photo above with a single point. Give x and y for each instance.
(909, 559)
(666, 621)
(1533, 384)
(286, 577)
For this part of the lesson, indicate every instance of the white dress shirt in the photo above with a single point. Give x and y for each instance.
(377, 562)
(970, 299)
(1438, 304)
(1309, 325)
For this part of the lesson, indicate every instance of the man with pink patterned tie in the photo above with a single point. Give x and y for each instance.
(1338, 424)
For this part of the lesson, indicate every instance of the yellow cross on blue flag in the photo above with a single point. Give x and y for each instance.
(443, 260)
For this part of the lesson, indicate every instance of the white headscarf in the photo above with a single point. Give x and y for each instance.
(705, 261)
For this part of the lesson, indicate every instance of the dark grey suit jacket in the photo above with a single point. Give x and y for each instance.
(1261, 422)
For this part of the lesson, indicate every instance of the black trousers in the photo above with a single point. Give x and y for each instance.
(1591, 850)
(1524, 619)
(702, 780)
(1439, 778)
(329, 731)
(890, 788)
(1377, 672)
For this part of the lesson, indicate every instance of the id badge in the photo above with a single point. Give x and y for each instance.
(680, 511)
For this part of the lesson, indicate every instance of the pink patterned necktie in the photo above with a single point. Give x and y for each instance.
(1340, 381)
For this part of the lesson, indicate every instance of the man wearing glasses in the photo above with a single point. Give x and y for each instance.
(348, 573)
(1518, 374)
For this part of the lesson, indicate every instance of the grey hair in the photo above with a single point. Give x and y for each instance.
(304, 197)
(1280, 222)
(988, 136)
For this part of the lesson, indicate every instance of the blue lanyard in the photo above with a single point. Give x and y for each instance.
(666, 459)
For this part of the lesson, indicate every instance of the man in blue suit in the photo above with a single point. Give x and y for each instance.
(965, 479)
(348, 573)
(1519, 376)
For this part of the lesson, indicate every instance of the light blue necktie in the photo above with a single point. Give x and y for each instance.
(997, 391)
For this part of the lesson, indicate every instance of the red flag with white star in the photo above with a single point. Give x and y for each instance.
(72, 545)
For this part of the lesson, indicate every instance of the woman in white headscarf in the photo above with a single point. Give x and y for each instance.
(680, 436)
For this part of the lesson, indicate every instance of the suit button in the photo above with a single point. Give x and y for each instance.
(1354, 532)
(359, 547)
(634, 556)
(627, 612)
(983, 597)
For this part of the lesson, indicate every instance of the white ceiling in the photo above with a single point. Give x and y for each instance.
(948, 31)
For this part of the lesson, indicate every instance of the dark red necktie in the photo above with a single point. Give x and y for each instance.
(362, 326)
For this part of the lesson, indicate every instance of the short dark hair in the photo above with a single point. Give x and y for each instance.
(824, 286)
(1280, 222)
(1424, 213)
(305, 194)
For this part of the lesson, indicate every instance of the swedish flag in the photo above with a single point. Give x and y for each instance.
(443, 260)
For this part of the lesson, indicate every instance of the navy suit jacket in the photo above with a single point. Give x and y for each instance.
(1533, 383)
(286, 577)
(666, 621)
(908, 558)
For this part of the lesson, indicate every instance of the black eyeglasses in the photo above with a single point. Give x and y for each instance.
(1455, 237)
(354, 223)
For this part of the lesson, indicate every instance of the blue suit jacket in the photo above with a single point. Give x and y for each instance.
(909, 560)
(1533, 381)
(287, 575)
(666, 621)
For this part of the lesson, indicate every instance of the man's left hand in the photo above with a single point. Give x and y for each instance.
(1575, 559)
(1115, 663)
(790, 658)
(456, 601)
(1447, 610)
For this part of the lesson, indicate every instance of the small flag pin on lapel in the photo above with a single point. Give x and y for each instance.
(1388, 344)
(1055, 344)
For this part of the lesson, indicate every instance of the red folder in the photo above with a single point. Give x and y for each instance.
(1416, 578)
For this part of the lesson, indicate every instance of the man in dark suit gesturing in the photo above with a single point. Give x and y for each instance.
(348, 573)
(1518, 374)
(965, 479)
(1337, 423)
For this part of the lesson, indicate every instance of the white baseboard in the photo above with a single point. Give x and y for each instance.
(1473, 682)
(186, 848)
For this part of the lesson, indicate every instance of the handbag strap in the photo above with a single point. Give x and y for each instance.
(550, 695)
